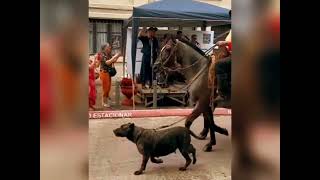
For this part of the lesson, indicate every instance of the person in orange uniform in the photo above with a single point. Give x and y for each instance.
(106, 61)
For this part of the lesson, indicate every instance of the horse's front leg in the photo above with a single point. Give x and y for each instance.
(213, 128)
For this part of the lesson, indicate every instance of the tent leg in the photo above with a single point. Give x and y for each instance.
(155, 99)
(133, 87)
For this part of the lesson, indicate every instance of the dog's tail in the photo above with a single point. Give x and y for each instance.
(195, 136)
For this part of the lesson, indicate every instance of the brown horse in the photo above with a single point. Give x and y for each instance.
(177, 56)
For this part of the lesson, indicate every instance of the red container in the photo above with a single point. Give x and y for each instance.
(126, 89)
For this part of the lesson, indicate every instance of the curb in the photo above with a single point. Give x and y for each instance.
(150, 113)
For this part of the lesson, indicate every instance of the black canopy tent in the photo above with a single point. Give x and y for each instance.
(173, 13)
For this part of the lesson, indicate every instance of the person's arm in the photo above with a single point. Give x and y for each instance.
(157, 47)
(113, 59)
(143, 32)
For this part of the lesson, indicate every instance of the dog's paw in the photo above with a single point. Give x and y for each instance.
(137, 172)
(194, 161)
(182, 169)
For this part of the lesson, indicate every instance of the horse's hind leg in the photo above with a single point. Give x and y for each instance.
(208, 147)
(213, 128)
(218, 129)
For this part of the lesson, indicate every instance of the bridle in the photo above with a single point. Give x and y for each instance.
(173, 53)
(166, 70)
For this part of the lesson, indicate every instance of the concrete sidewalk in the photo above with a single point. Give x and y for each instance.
(116, 158)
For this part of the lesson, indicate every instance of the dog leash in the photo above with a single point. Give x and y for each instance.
(166, 126)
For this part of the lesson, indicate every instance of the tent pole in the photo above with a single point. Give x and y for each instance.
(133, 88)
(124, 48)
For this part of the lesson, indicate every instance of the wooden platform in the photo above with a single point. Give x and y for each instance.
(175, 93)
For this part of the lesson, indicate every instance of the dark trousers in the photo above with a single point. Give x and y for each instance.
(223, 66)
(146, 70)
(223, 74)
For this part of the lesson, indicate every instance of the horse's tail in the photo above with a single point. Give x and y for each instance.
(195, 136)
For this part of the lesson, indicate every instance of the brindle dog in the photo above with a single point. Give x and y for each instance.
(152, 143)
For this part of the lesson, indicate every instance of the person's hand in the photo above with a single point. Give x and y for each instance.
(221, 43)
(118, 54)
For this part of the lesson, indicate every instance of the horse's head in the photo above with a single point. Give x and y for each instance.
(167, 57)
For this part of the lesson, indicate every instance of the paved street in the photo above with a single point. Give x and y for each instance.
(117, 158)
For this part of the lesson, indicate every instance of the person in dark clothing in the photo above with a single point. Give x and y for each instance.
(194, 40)
(223, 74)
(150, 49)
(223, 70)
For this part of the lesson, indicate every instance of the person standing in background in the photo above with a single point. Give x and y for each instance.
(150, 46)
(194, 40)
(223, 69)
(92, 86)
(106, 61)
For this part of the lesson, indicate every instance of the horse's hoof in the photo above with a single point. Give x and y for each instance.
(225, 132)
(204, 134)
(137, 172)
(207, 148)
(182, 169)
(202, 137)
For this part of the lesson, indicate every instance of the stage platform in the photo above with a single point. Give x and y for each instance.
(175, 92)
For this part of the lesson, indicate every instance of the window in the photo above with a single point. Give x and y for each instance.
(101, 34)
(90, 38)
(116, 30)
(105, 31)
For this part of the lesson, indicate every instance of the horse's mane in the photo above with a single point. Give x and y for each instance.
(173, 38)
(193, 46)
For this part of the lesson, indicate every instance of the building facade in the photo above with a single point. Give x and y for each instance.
(106, 19)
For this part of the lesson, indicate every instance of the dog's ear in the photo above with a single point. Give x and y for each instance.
(131, 125)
